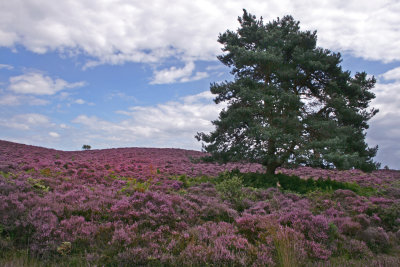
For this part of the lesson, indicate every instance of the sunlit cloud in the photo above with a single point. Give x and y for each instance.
(113, 32)
(39, 84)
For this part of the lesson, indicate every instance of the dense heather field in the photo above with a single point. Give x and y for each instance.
(164, 207)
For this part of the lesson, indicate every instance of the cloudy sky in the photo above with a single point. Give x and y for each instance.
(123, 73)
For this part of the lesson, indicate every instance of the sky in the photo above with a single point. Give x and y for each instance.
(132, 73)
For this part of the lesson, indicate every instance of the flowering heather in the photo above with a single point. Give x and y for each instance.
(165, 207)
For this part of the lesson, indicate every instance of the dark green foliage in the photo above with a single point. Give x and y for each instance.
(191, 181)
(333, 232)
(235, 179)
(86, 147)
(294, 183)
(231, 190)
(376, 239)
(389, 215)
(290, 101)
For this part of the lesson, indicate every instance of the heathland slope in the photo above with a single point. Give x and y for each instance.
(165, 207)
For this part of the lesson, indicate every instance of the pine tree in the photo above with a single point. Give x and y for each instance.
(290, 101)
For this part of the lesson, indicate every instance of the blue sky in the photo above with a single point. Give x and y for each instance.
(129, 73)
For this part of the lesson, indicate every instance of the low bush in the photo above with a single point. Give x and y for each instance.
(376, 238)
(231, 190)
(295, 183)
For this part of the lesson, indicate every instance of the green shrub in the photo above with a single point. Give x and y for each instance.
(231, 190)
(376, 238)
(135, 186)
(295, 183)
(46, 172)
(389, 215)
(191, 181)
(86, 147)
(38, 185)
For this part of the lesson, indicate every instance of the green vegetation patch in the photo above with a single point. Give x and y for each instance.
(295, 183)
(285, 182)
(191, 181)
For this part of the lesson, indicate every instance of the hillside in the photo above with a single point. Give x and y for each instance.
(165, 207)
(138, 162)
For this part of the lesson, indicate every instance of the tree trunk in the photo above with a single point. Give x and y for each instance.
(271, 164)
(271, 167)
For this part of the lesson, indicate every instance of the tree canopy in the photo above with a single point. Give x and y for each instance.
(290, 102)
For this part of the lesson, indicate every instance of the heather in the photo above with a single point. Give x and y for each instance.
(165, 207)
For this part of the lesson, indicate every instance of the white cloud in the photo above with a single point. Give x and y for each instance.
(33, 119)
(173, 75)
(121, 96)
(63, 95)
(206, 95)
(215, 67)
(95, 123)
(117, 31)
(33, 101)
(26, 121)
(9, 100)
(54, 134)
(38, 84)
(384, 127)
(363, 29)
(16, 100)
(172, 124)
(6, 66)
(198, 76)
(387, 99)
(393, 74)
(33, 129)
(80, 101)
